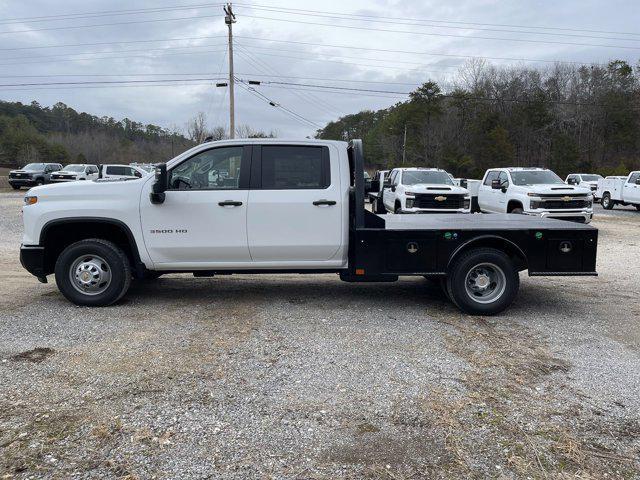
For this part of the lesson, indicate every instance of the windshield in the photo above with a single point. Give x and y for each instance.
(415, 177)
(535, 177)
(34, 166)
(73, 168)
(590, 178)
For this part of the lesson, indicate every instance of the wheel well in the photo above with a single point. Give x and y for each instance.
(59, 235)
(512, 205)
(517, 256)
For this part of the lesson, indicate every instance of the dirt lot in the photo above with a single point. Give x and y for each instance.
(307, 377)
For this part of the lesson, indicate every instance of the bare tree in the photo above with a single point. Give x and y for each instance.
(197, 127)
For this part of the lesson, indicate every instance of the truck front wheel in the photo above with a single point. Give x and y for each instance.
(93, 272)
(483, 281)
(607, 203)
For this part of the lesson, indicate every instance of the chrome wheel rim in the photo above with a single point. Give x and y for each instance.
(90, 274)
(485, 283)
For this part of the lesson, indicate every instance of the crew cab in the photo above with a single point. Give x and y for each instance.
(588, 180)
(75, 172)
(424, 190)
(620, 191)
(32, 174)
(122, 171)
(282, 207)
(534, 191)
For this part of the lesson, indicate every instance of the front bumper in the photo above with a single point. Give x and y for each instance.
(32, 259)
(435, 210)
(581, 216)
(22, 182)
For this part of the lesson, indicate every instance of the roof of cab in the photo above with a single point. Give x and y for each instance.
(250, 141)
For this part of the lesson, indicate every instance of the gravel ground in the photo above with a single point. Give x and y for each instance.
(308, 377)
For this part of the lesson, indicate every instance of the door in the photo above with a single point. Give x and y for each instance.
(487, 197)
(203, 220)
(501, 195)
(631, 193)
(295, 205)
(388, 196)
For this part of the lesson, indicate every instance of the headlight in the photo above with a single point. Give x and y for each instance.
(409, 203)
(467, 202)
(409, 194)
(589, 203)
(531, 194)
(30, 199)
(533, 204)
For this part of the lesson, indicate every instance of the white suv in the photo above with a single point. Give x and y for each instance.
(424, 190)
(534, 191)
(74, 172)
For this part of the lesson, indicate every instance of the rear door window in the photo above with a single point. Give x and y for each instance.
(293, 167)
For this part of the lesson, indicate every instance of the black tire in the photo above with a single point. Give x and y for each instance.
(39, 182)
(517, 211)
(114, 261)
(471, 260)
(15, 187)
(607, 203)
(398, 209)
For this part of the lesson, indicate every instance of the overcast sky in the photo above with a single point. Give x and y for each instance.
(175, 42)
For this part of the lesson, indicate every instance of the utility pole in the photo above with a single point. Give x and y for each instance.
(230, 19)
(404, 143)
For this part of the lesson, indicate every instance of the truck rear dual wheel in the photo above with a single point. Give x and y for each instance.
(93, 272)
(482, 281)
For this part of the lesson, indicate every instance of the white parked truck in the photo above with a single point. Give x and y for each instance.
(74, 172)
(122, 171)
(534, 191)
(588, 180)
(424, 190)
(280, 207)
(620, 191)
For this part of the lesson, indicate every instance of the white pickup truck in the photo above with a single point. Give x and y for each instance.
(620, 191)
(424, 190)
(588, 180)
(277, 206)
(534, 191)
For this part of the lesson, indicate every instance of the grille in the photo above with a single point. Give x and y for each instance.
(429, 201)
(561, 204)
(18, 175)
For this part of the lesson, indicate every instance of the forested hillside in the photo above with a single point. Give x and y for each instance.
(566, 117)
(33, 133)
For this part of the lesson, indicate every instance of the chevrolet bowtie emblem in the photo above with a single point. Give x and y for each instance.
(440, 199)
(566, 199)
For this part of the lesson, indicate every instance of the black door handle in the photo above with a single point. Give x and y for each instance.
(324, 202)
(229, 203)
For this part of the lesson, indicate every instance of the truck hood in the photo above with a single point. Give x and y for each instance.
(556, 188)
(25, 171)
(436, 188)
(90, 189)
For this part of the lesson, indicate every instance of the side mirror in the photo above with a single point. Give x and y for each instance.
(393, 188)
(386, 184)
(572, 181)
(464, 183)
(638, 181)
(157, 195)
(496, 185)
(137, 174)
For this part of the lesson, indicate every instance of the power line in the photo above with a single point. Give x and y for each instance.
(109, 82)
(245, 4)
(75, 27)
(474, 37)
(104, 13)
(408, 22)
(415, 52)
(273, 103)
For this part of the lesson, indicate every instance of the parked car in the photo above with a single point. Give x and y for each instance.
(376, 187)
(74, 172)
(424, 190)
(586, 180)
(534, 191)
(286, 207)
(620, 191)
(32, 174)
(122, 171)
